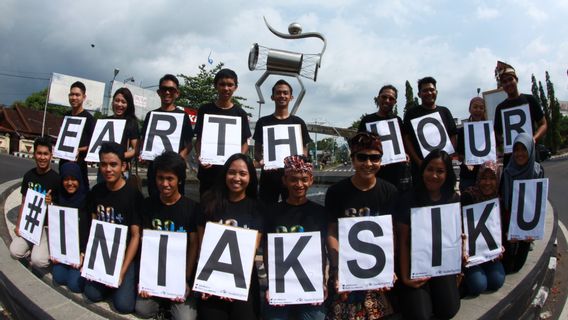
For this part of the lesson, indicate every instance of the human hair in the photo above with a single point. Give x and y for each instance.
(448, 187)
(424, 81)
(365, 141)
(43, 141)
(383, 88)
(169, 77)
(281, 82)
(171, 161)
(216, 199)
(125, 92)
(80, 85)
(226, 73)
(112, 147)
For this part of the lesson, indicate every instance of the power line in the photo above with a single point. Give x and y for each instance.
(25, 72)
(25, 77)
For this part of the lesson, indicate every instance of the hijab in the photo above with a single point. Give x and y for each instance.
(475, 191)
(531, 170)
(76, 200)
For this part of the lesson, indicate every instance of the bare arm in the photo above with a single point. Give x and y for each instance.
(541, 131)
(192, 249)
(131, 250)
(410, 149)
(132, 150)
(244, 148)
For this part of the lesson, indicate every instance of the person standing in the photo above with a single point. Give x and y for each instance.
(468, 173)
(77, 95)
(225, 83)
(168, 92)
(385, 101)
(270, 184)
(428, 94)
(508, 80)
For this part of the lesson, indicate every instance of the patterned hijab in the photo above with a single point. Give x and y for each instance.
(488, 167)
(531, 170)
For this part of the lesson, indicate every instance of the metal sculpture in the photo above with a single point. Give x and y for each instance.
(286, 63)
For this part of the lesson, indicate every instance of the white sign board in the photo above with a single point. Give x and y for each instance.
(366, 253)
(163, 264)
(280, 141)
(33, 216)
(479, 142)
(106, 130)
(391, 139)
(221, 138)
(432, 134)
(482, 227)
(492, 99)
(295, 274)
(105, 253)
(514, 121)
(69, 138)
(162, 134)
(64, 235)
(226, 261)
(145, 100)
(60, 87)
(528, 209)
(435, 241)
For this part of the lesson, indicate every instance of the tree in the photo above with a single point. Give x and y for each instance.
(554, 114)
(545, 110)
(355, 124)
(198, 90)
(411, 101)
(326, 147)
(37, 100)
(534, 89)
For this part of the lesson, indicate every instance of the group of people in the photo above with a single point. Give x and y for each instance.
(278, 202)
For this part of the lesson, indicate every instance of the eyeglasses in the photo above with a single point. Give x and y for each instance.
(363, 157)
(166, 89)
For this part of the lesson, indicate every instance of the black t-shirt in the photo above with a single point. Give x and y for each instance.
(120, 207)
(284, 218)
(344, 200)
(186, 131)
(246, 213)
(534, 108)
(178, 217)
(271, 120)
(419, 111)
(393, 172)
(41, 183)
(131, 130)
(235, 111)
(411, 200)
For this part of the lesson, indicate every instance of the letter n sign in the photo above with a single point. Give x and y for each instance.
(105, 252)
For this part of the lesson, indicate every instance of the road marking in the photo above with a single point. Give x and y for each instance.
(564, 313)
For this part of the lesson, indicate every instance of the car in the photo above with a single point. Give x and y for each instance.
(543, 152)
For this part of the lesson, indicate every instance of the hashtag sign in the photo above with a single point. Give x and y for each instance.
(35, 210)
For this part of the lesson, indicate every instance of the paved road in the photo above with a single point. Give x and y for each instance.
(557, 173)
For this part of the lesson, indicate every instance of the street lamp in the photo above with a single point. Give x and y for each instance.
(115, 73)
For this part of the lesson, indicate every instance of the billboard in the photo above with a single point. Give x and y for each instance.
(59, 91)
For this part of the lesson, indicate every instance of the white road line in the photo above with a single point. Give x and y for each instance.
(564, 314)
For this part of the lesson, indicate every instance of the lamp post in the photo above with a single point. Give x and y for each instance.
(105, 112)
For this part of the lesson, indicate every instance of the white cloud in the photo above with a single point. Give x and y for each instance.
(485, 13)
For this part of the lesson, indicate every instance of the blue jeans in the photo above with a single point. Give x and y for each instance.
(66, 275)
(299, 311)
(123, 297)
(488, 276)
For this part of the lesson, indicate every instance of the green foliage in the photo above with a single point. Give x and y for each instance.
(198, 90)
(554, 113)
(411, 100)
(37, 100)
(355, 124)
(534, 89)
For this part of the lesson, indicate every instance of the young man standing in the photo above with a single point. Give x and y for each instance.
(168, 92)
(427, 92)
(386, 100)
(297, 214)
(171, 211)
(44, 180)
(226, 83)
(270, 184)
(77, 95)
(508, 80)
(115, 201)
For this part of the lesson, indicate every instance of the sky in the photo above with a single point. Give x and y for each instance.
(370, 44)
